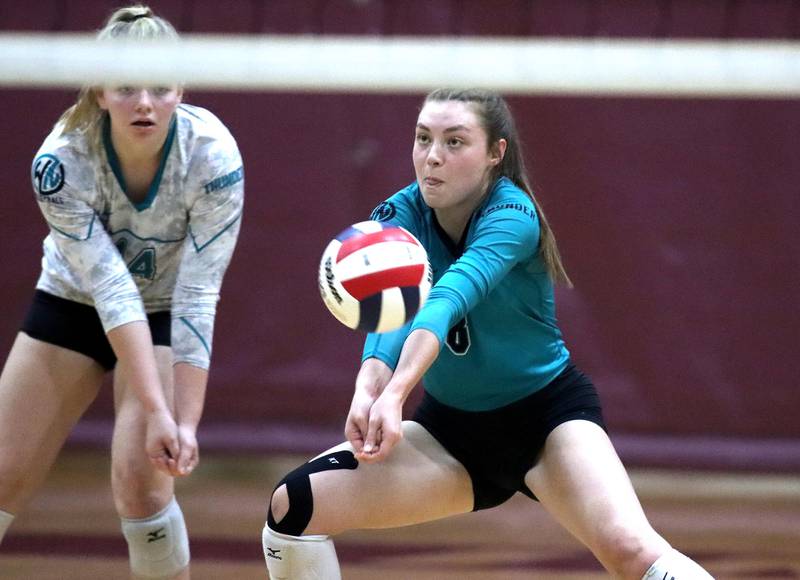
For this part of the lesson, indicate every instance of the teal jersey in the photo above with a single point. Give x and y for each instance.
(492, 305)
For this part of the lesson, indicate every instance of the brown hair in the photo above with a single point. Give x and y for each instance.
(498, 122)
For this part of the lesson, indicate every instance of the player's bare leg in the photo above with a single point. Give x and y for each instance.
(144, 497)
(44, 390)
(423, 480)
(580, 480)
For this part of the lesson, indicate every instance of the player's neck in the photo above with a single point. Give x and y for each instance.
(139, 160)
(453, 221)
(134, 153)
(137, 155)
(139, 168)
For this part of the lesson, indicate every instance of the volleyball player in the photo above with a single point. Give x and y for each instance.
(143, 198)
(504, 409)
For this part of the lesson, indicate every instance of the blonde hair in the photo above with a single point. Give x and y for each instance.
(136, 22)
(498, 122)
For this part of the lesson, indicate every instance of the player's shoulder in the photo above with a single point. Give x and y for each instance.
(201, 124)
(73, 145)
(410, 196)
(63, 158)
(206, 142)
(508, 199)
(405, 200)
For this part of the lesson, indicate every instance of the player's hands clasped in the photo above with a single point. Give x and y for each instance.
(372, 378)
(161, 442)
(357, 424)
(383, 428)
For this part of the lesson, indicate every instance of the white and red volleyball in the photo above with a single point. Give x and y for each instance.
(374, 276)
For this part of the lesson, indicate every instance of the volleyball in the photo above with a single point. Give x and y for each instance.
(374, 276)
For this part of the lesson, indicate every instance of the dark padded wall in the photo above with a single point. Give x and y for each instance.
(677, 220)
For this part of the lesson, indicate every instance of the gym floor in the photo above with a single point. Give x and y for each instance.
(741, 526)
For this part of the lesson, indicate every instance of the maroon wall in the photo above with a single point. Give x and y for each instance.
(676, 218)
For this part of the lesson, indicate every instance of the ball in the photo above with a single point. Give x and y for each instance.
(374, 276)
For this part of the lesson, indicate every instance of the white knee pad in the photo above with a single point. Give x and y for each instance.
(675, 566)
(299, 557)
(158, 546)
(5, 521)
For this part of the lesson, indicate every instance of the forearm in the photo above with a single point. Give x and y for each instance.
(385, 346)
(133, 346)
(214, 222)
(419, 351)
(373, 376)
(190, 394)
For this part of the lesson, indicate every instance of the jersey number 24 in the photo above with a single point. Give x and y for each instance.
(143, 264)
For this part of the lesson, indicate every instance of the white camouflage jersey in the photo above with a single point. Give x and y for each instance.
(168, 252)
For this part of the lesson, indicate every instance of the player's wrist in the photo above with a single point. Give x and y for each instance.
(395, 393)
(158, 411)
(187, 427)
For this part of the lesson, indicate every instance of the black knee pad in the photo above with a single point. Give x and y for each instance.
(298, 487)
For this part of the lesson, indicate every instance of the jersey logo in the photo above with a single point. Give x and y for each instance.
(384, 212)
(48, 174)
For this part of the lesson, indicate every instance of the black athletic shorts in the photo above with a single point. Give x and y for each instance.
(500, 446)
(77, 327)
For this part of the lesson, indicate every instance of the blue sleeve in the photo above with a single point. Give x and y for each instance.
(399, 210)
(386, 346)
(504, 235)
